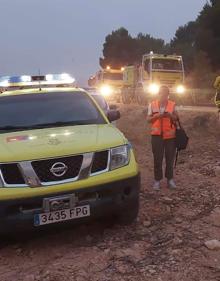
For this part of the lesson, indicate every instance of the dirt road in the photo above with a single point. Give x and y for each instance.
(167, 241)
(202, 109)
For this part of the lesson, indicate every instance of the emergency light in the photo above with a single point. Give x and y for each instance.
(36, 80)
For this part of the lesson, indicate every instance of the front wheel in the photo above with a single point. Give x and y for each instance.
(129, 214)
(125, 95)
(141, 96)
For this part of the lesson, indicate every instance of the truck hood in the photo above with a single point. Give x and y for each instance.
(55, 142)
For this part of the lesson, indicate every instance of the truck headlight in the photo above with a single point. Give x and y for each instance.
(106, 90)
(180, 89)
(154, 89)
(120, 157)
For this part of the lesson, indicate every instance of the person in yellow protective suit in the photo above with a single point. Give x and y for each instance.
(217, 87)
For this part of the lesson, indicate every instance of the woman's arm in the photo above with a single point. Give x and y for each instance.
(174, 116)
(153, 118)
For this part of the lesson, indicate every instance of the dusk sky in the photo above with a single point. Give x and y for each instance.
(67, 35)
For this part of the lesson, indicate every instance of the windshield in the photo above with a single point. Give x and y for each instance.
(113, 76)
(167, 64)
(42, 110)
(101, 101)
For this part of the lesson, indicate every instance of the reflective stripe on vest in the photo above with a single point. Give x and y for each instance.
(163, 127)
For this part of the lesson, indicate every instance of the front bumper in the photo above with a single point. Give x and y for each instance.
(104, 200)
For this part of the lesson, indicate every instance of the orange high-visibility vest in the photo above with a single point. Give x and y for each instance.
(163, 127)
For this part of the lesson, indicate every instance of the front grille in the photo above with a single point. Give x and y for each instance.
(100, 161)
(168, 82)
(11, 174)
(54, 170)
(43, 168)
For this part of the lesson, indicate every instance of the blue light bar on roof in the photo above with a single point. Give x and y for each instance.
(36, 80)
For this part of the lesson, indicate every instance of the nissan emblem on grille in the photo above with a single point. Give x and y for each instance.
(58, 169)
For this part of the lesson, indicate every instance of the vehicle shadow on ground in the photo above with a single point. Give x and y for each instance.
(82, 234)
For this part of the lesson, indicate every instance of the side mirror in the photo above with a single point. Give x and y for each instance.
(113, 115)
(113, 106)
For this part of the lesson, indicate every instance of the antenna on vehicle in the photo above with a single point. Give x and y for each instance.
(39, 81)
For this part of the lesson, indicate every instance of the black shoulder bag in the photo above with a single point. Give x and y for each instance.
(181, 139)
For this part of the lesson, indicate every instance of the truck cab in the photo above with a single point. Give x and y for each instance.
(108, 82)
(158, 70)
(142, 82)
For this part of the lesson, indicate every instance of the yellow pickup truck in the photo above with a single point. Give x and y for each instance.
(61, 160)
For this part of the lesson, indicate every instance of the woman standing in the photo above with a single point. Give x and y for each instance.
(162, 116)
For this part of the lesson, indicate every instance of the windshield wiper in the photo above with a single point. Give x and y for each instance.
(42, 126)
(13, 128)
(57, 124)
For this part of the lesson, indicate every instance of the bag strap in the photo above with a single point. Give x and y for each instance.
(177, 154)
(179, 123)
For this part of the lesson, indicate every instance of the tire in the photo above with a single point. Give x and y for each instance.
(129, 214)
(126, 99)
(141, 97)
(138, 97)
(118, 99)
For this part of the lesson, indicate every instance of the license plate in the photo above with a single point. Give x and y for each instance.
(62, 215)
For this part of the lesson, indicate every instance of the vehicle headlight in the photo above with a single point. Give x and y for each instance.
(180, 89)
(106, 90)
(154, 89)
(120, 157)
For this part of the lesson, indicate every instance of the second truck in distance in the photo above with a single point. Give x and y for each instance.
(108, 82)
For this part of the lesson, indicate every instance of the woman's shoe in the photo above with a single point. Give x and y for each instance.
(156, 185)
(171, 184)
